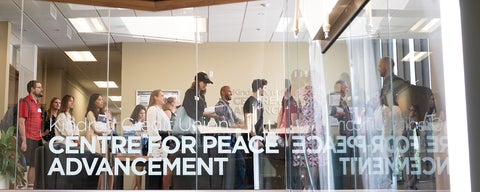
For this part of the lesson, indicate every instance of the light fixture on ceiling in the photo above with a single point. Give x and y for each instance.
(88, 25)
(416, 56)
(81, 56)
(115, 98)
(431, 26)
(105, 84)
(425, 26)
(417, 25)
(182, 28)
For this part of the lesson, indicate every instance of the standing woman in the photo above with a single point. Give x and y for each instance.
(194, 101)
(51, 118)
(170, 107)
(138, 119)
(95, 113)
(65, 122)
(158, 124)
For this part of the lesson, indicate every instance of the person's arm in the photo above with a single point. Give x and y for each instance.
(189, 103)
(168, 113)
(21, 131)
(152, 122)
(93, 124)
(237, 120)
(23, 110)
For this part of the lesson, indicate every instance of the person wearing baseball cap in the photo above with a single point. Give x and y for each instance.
(202, 77)
(194, 101)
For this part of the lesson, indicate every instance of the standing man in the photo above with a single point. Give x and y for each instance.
(253, 112)
(30, 127)
(342, 111)
(392, 84)
(228, 118)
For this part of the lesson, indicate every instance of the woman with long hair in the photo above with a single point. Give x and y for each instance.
(97, 126)
(158, 127)
(51, 118)
(170, 107)
(194, 101)
(138, 117)
(65, 121)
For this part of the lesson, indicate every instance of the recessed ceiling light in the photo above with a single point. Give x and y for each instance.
(418, 24)
(81, 56)
(416, 56)
(115, 98)
(431, 26)
(170, 28)
(88, 25)
(105, 84)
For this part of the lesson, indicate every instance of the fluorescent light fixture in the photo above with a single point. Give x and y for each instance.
(80, 56)
(115, 98)
(418, 24)
(183, 28)
(416, 56)
(88, 25)
(431, 26)
(105, 84)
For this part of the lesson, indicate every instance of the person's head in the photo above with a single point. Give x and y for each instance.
(138, 114)
(385, 65)
(95, 104)
(67, 104)
(413, 112)
(201, 80)
(156, 98)
(35, 87)
(226, 93)
(259, 85)
(170, 104)
(341, 87)
(55, 104)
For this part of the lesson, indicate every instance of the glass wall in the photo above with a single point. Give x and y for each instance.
(233, 96)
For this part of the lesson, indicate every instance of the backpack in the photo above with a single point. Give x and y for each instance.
(11, 116)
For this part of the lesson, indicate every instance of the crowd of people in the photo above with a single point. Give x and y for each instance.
(158, 120)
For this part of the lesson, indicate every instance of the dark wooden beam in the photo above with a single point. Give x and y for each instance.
(340, 17)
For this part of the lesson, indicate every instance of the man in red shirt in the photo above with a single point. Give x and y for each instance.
(30, 126)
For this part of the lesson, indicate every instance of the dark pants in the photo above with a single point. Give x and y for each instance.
(239, 170)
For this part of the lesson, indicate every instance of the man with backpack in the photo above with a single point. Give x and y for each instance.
(30, 127)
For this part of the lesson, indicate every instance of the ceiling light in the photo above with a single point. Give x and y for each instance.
(105, 84)
(431, 26)
(418, 24)
(416, 56)
(115, 98)
(88, 25)
(80, 56)
(173, 28)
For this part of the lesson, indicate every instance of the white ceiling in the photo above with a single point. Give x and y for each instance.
(46, 25)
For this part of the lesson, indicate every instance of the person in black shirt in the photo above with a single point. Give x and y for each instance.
(392, 84)
(194, 101)
(253, 112)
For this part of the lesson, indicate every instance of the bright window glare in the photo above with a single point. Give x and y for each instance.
(456, 112)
